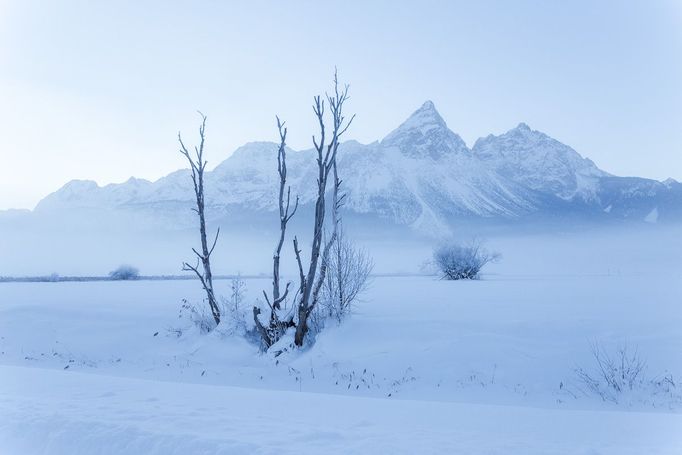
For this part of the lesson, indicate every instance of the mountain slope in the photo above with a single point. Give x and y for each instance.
(537, 161)
(421, 175)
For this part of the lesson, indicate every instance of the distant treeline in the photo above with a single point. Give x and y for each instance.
(54, 278)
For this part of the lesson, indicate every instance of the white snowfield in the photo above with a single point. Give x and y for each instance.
(49, 411)
(423, 366)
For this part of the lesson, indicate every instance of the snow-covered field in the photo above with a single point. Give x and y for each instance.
(423, 366)
(55, 412)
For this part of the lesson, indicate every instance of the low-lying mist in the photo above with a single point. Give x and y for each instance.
(72, 248)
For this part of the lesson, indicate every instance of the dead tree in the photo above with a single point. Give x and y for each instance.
(276, 326)
(325, 262)
(198, 166)
(311, 282)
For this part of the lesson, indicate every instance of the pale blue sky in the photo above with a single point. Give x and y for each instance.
(98, 90)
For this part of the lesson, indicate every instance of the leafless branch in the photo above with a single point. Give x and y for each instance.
(197, 167)
(276, 326)
(326, 161)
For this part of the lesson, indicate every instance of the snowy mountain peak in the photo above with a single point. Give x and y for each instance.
(421, 175)
(424, 119)
(425, 134)
(80, 185)
(252, 153)
(539, 162)
(428, 110)
(137, 181)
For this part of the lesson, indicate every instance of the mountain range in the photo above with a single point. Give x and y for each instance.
(422, 176)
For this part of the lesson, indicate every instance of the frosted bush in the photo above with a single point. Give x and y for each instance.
(348, 275)
(456, 261)
(125, 272)
(234, 309)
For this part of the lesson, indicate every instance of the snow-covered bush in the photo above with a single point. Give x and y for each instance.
(620, 377)
(234, 310)
(197, 316)
(455, 261)
(348, 271)
(125, 272)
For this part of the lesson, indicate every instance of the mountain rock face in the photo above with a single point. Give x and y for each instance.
(421, 175)
(541, 163)
(425, 134)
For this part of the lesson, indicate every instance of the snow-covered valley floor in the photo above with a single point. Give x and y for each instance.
(49, 411)
(423, 366)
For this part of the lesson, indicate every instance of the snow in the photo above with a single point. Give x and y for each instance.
(425, 133)
(652, 217)
(536, 160)
(58, 413)
(423, 365)
(421, 175)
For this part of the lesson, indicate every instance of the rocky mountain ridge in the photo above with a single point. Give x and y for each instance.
(421, 175)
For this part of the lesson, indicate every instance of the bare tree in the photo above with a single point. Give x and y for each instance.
(311, 282)
(198, 166)
(276, 326)
(312, 276)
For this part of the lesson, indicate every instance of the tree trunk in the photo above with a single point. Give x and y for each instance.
(326, 161)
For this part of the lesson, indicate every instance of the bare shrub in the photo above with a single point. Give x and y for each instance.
(614, 374)
(620, 377)
(196, 316)
(234, 310)
(124, 272)
(455, 261)
(349, 268)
